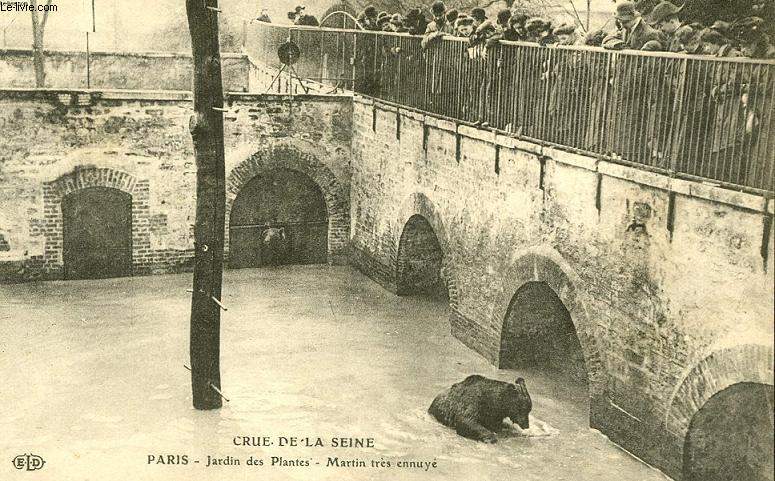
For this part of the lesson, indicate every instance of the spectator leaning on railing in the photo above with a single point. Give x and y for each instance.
(664, 18)
(659, 30)
(633, 33)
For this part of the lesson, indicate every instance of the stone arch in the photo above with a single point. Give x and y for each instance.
(723, 368)
(731, 436)
(291, 158)
(85, 177)
(418, 204)
(547, 266)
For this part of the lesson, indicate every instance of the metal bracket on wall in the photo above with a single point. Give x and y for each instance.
(671, 214)
(598, 192)
(766, 231)
(497, 159)
(458, 154)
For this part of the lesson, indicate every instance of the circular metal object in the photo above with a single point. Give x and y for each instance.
(288, 53)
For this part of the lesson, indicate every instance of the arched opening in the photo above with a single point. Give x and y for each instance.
(731, 437)
(97, 233)
(538, 332)
(419, 261)
(279, 217)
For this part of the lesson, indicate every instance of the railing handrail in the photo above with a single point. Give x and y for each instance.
(688, 116)
(583, 48)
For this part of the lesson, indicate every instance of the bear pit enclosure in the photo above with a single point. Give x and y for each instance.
(307, 351)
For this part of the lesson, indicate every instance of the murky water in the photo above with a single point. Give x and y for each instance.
(93, 381)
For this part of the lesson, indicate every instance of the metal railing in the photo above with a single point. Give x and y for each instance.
(690, 116)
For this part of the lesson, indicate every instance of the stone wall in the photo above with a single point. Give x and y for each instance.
(659, 274)
(121, 70)
(55, 142)
(667, 282)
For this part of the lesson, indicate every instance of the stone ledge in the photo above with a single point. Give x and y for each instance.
(114, 94)
(441, 124)
(169, 95)
(633, 174)
(363, 100)
(476, 134)
(689, 188)
(385, 107)
(286, 97)
(771, 206)
(716, 193)
(420, 117)
(569, 158)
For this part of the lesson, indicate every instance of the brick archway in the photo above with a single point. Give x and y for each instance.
(547, 266)
(288, 157)
(83, 178)
(418, 204)
(720, 370)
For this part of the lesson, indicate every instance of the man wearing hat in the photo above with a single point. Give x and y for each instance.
(439, 22)
(296, 13)
(368, 18)
(753, 41)
(665, 19)
(464, 26)
(716, 44)
(439, 26)
(264, 17)
(397, 23)
(566, 34)
(383, 21)
(415, 22)
(633, 32)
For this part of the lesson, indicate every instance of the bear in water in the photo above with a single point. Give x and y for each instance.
(477, 406)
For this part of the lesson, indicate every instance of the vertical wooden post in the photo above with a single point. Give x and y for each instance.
(206, 127)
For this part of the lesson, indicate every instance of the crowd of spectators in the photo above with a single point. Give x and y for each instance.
(662, 28)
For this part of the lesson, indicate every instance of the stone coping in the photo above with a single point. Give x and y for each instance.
(169, 95)
(108, 53)
(706, 190)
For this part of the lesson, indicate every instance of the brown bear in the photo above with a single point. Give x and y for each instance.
(477, 406)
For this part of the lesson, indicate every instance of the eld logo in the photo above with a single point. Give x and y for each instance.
(30, 462)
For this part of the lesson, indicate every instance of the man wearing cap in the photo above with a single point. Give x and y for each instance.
(633, 32)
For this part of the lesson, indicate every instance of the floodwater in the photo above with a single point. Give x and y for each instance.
(94, 383)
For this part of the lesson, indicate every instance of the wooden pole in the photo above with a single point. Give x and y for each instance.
(206, 127)
(588, 7)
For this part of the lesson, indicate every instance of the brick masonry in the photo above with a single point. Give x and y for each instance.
(668, 282)
(55, 142)
(120, 70)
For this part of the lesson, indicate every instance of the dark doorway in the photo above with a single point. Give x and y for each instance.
(97, 224)
(419, 261)
(731, 437)
(279, 217)
(538, 332)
